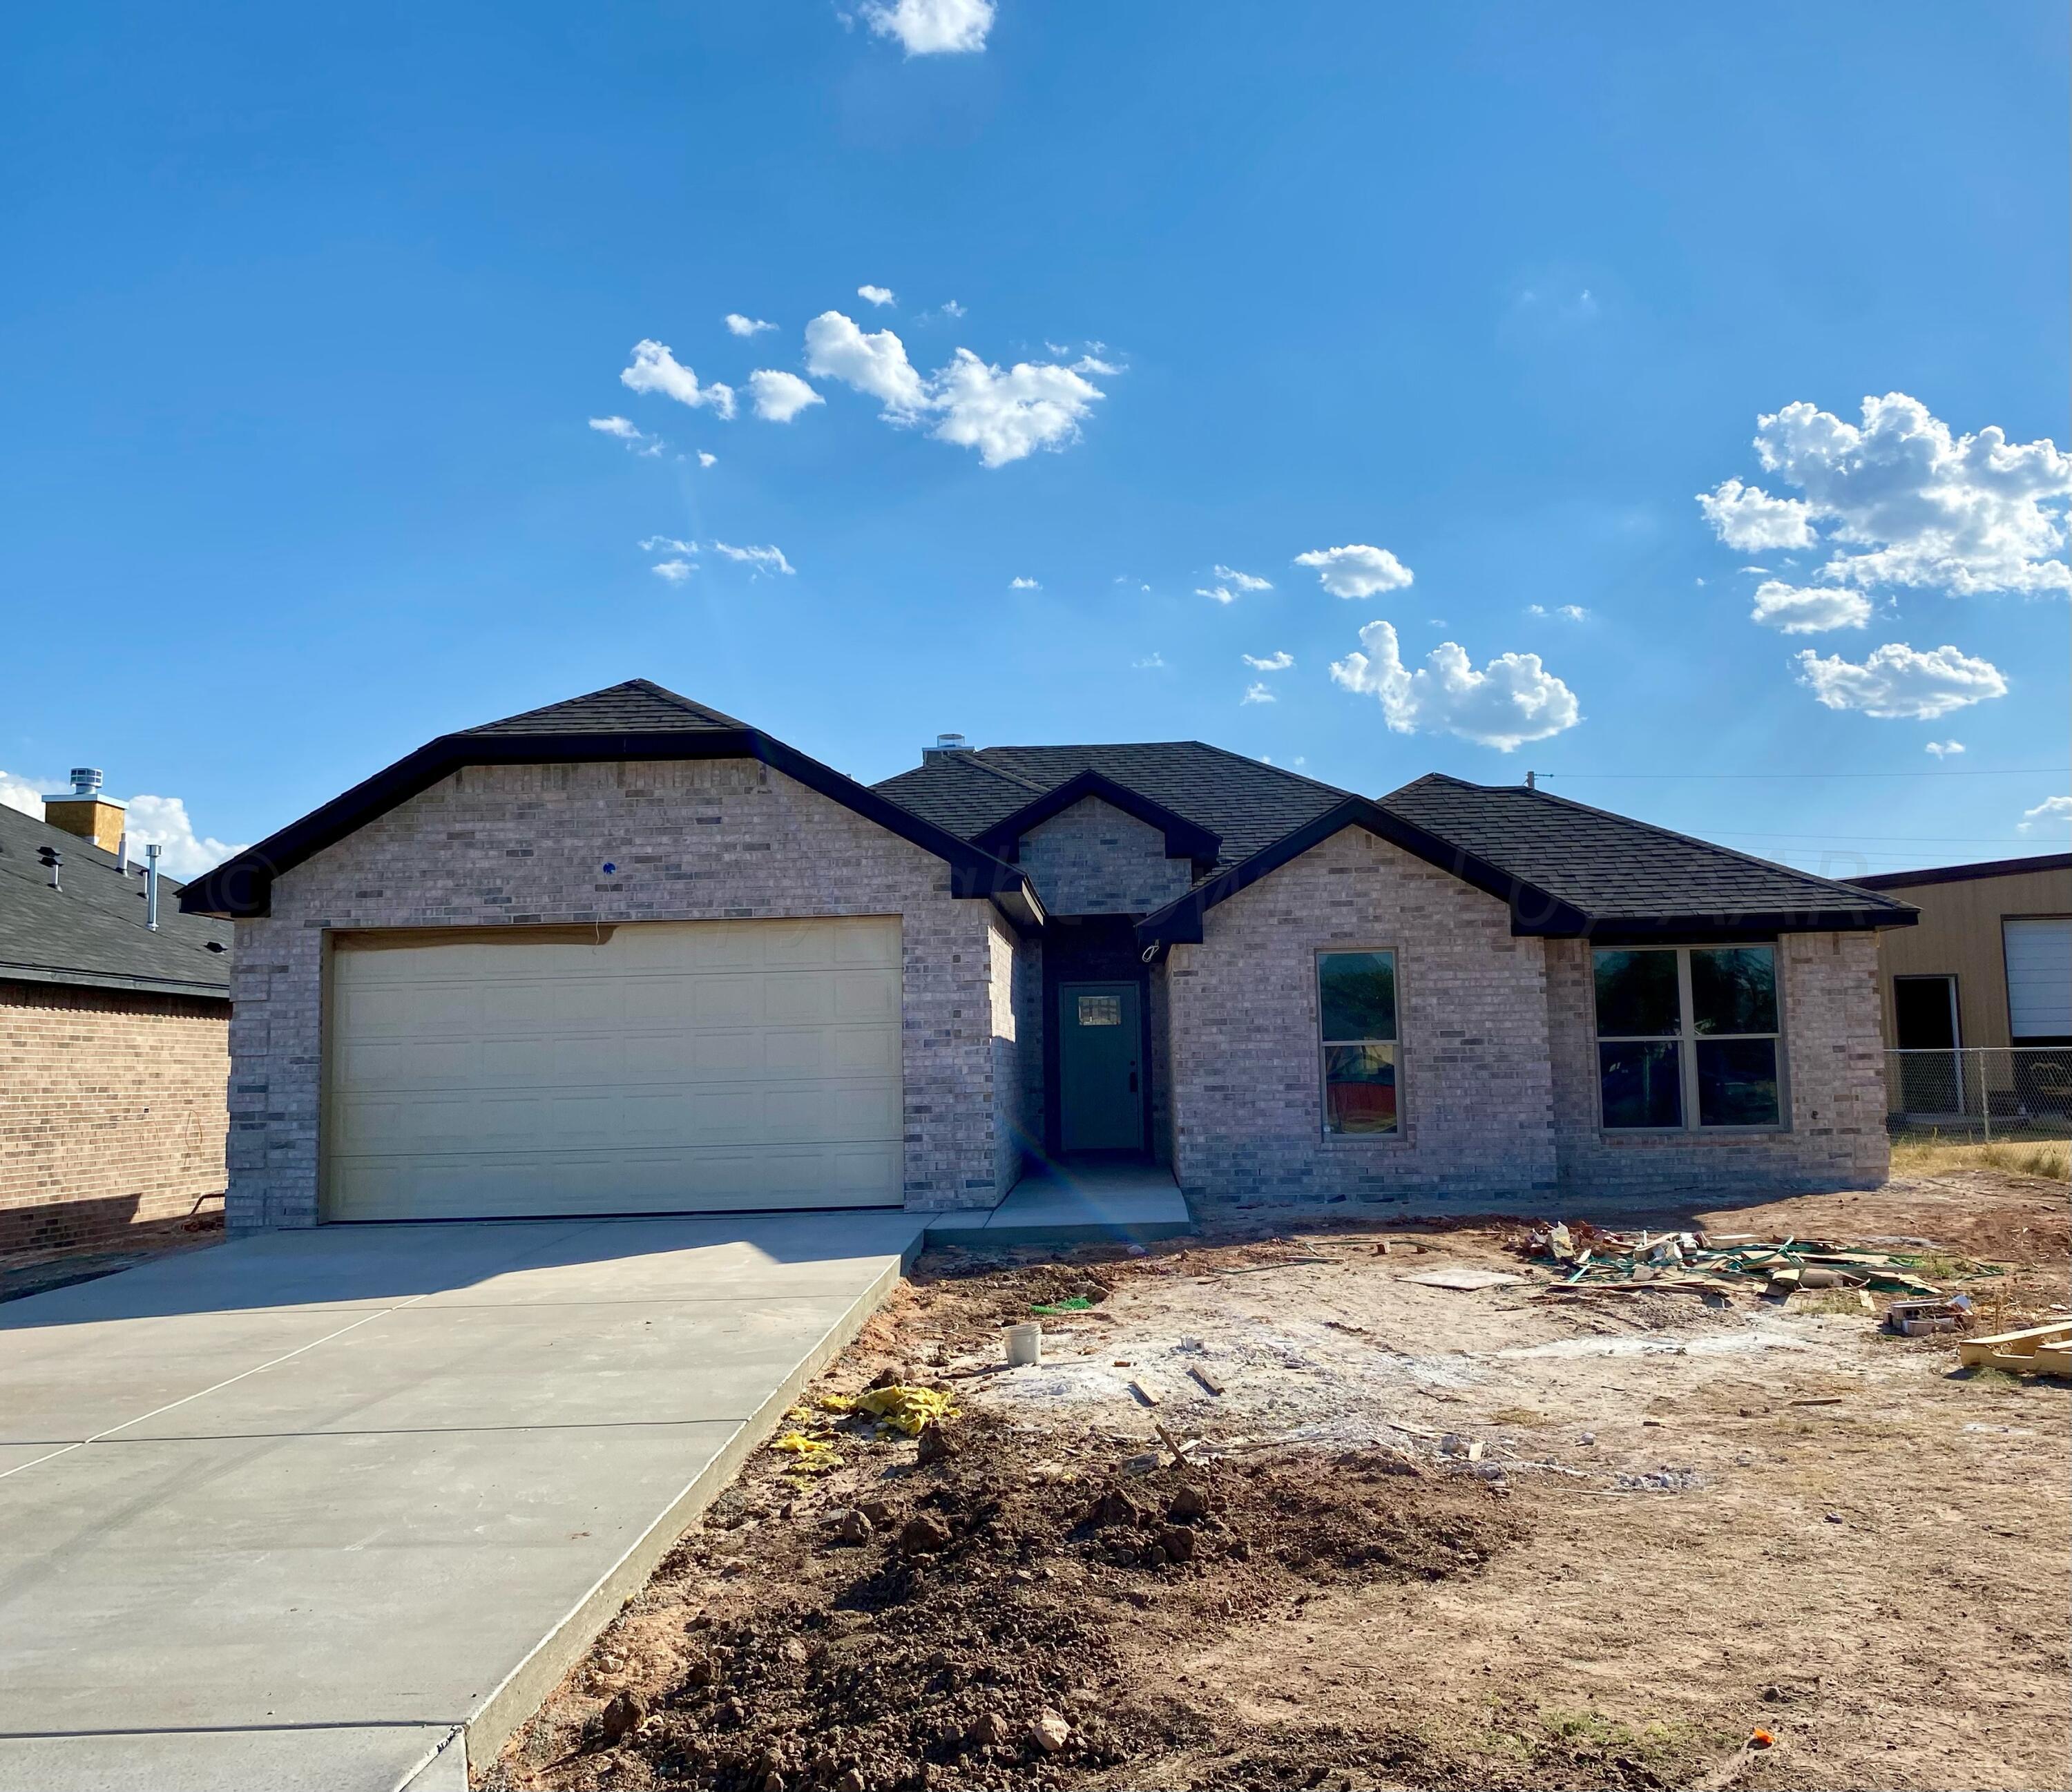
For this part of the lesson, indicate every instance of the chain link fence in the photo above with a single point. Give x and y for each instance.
(2012, 1092)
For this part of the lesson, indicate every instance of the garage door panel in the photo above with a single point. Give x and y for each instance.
(676, 1066)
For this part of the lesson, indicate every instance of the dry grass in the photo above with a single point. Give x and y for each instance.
(2051, 1158)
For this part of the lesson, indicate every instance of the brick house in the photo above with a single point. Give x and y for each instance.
(114, 1032)
(626, 954)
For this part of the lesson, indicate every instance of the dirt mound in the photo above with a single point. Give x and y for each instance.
(973, 1624)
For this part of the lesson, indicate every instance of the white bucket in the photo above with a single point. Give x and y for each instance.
(1024, 1344)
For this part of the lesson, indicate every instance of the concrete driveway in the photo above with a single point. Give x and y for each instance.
(328, 1509)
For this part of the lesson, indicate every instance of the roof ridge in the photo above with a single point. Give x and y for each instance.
(978, 758)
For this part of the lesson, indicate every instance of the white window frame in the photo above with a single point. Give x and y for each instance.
(1686, 1039)
(1400, 1133)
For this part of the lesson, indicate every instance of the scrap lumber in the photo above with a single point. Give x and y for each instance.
(2033, 1350)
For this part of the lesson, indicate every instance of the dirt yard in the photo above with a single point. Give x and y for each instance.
(1421, 1537)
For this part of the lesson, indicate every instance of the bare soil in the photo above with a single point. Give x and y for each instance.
(1422, 1537)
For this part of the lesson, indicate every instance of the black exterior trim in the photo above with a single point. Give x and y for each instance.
(1964, 874)
(1534, 912)
(243, 886)
(1184, 839)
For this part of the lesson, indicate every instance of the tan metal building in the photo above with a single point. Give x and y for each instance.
(1991, 962)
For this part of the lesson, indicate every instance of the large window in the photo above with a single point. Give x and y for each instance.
(1356, 1017)
(1688, 1037)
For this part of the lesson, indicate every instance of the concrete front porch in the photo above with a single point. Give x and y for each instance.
(1076, 1202)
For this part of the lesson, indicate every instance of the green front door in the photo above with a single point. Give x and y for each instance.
(1100, 1067)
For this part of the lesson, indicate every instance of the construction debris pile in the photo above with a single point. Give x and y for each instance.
(1589, 1260)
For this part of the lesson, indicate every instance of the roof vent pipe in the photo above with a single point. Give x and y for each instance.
(151, 887)
(52, 860)
(949, 743)
(85, 781)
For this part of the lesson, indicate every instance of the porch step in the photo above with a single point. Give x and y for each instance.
(1069, 1204)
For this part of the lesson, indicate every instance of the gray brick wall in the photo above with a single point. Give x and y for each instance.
(690, 840)
(1476, 1085)
(1093, 859)
(1833, 1068)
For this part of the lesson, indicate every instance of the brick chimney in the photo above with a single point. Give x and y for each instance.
(83, 811)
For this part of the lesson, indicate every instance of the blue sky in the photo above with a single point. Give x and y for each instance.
(310, 315)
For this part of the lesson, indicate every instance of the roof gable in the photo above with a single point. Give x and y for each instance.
(1184, 839)
(634, 720)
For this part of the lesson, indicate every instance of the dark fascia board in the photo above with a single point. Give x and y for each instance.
(1534, 911)
(243, 886)
(1184, 839)
(1965, 873)
(65, 976)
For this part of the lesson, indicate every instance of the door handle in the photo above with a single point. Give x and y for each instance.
(1133, 1083)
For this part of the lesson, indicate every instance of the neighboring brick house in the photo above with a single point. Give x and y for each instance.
(626, 954)
(114, 1048)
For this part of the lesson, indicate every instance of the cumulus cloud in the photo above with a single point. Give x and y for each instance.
(1151, 662)
(1567, 612)
(666, 543)
(162, 821)
(877, 295)
(2051, 812)
(1005, 414)
(763, 559)
(1897, 683)
(25, 794)
(705, 459)
(1257, 693)
(1943, 749)
(1358, 571)
(675, 571)
(1276, 662)
(1243, 581)
(1808, 608)
(1023, 584)
(931, 27)
(654, 369)
(1512, 700)
(622, 429)
(1219, 593)
(1748, 519)
(780, 397)
(740, 326)
(1963, 514)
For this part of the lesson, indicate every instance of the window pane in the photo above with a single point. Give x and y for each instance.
(1733, 989)
(1100, 1010)
(1640, 1084)
(1356, 995)
(1737, 1083)
(1637, 993)
(1359, 1088)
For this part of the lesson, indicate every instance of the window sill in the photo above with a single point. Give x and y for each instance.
(1611, 1135)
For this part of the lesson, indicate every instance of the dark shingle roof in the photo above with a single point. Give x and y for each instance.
(1615, 870)
(1966, 873)
(640, 706)
(91, 931)
(1247, 804)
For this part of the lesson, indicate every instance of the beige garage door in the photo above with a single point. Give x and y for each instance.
(659, 1067)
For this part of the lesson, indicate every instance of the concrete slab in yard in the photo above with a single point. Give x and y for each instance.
(293, 1510)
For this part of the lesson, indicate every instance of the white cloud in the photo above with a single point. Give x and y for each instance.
(873, 363)
(1257, 693)
(622, 429)
(1567, 612)
(952, 309)
(162, 821)
(1023, 584)
(666, 543)
(675, 571)
(24, 794)
(1243, 581)
(1358, 571)
(878, 295)
(1220, 593)
(780, 397)
(1007, 415)
(763, 559)
(705, 459)
(2053, 812)
(1509, 701)
(1943, 749)
(1003, 414)
(1275, 662)
(1964, 514)
(746, 327)
(1151, 662)
(1895, 682)
(1748, 519)
(931, 27)
(656, 369)
(1808, 608)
